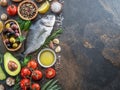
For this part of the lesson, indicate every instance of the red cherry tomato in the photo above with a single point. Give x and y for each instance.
(25, 72)
(36, 75)
(12, 10)
(50, 73)
(32, 64)
(35, 86)
(25, 84)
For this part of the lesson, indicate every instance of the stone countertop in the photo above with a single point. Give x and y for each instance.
(90, 56)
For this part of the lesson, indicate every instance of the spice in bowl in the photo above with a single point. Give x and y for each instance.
(27, 10)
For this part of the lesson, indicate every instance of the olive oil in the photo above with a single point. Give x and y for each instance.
(47, 58)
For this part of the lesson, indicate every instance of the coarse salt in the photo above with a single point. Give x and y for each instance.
(56, 7)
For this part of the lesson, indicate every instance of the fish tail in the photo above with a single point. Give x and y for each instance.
(20, 56)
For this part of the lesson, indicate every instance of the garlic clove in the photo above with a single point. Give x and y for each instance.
(51, 45)
(56, 41)
(4, 17)
(58, 49)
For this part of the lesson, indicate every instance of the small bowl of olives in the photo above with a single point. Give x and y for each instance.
(10, 34)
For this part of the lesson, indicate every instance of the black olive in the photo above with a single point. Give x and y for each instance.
(11, 23)
(12, 33)
(8, 34)
(9, 45)
(4, 32)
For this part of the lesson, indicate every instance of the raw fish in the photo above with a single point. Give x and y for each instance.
(38, 33)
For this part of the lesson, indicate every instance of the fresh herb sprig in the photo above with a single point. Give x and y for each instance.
(17, 80)
(25, 61)
(17, 83)
(20, 38)
(24, 24)
(52, 36)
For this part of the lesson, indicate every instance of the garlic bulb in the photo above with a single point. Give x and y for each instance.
(10, 81)
(4, 16)
(3, 2)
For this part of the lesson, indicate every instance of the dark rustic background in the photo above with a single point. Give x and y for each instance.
(90, 45)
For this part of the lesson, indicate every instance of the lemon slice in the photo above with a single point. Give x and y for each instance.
(44, 7)
(1, 26)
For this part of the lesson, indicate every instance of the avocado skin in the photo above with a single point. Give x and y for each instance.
(2, 74)
(9, 57)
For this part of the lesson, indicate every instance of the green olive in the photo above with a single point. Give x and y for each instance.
(12, 40)
(15, 45)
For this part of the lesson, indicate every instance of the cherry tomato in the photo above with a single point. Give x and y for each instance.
(12, 10)
(25, 72)
(25, 84)
(35, 86)
(50, 73)
(32, 64)
(36, 75)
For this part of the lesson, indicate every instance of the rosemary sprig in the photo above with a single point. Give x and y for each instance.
(52, 36)
(17, 83)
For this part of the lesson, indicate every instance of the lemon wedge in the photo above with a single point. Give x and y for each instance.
(1, 26)
(44, 7)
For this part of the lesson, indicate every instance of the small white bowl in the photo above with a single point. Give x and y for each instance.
(47, 49)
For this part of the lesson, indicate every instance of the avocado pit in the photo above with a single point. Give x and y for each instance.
(12, 66)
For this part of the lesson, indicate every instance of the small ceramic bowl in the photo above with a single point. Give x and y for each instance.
(39, 55)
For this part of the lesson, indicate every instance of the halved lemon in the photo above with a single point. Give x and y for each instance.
(44, 7)
(1, 26)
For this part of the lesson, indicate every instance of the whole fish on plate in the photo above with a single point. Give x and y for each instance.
(38, 33)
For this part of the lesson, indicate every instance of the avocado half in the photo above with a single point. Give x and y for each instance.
(7, 58)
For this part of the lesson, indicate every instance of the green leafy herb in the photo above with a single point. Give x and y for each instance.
(52, 36)
(27, 25)
(25, 61)
(51, 85)
(17, 84)
(24, 24)
(20, 38)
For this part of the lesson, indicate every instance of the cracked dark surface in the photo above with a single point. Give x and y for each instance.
(90, 46)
